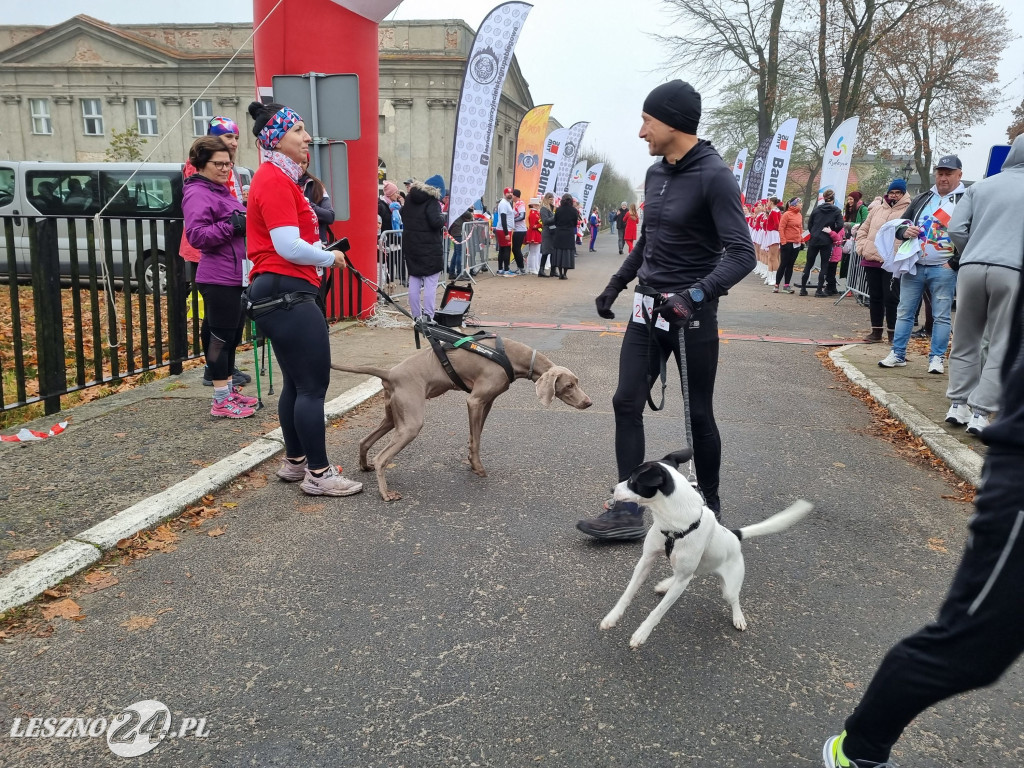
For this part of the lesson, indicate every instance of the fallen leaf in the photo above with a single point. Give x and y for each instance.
(217, 531)
(162, 611)
(99, 580)
(936, 545)
(838, 464)
(120, 434)
(63, 609)
(52, 593)
(230, 504)
(138, 622)
(22, 554)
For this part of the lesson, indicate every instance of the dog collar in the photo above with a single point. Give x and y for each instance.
(533, 359)
(671, 537)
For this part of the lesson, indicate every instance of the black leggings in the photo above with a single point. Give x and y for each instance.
(827, 271)
(504, 257)
(883, 297)
(518, 238)
(978, 633)
(787, 254)
(631, 396)
(303, 351)
(222, 327)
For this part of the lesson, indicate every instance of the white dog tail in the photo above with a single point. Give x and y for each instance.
(791, 515)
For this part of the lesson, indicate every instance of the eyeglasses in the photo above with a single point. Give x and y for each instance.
(221, 165)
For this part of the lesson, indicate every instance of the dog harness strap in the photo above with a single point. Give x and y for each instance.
(671, 537)
(446, 363)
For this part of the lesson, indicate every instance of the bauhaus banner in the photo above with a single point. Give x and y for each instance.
(590, 182)
(571, 148)
(478, 104)
(835, 166)
(529, 146)
(776, 163)
(551, 160)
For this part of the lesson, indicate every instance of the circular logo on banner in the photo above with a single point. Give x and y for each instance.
(484, 67)
(570, 149)
(758, 165)
(528, 160)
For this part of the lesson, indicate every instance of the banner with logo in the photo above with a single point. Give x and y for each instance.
(529, 145)
(572, 145)
(739, 165)
(590, 181)
(576, 178)
(478, 103)
(752, 192)
(835, 166)
(776, 163)
(551, 160)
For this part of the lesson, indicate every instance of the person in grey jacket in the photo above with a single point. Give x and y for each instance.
(547, 233)
(987, 229)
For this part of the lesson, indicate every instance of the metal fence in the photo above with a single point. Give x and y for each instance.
(82, 308)
(856, 276)
(476, 249)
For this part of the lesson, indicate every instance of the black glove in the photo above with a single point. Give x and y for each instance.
(675, 308)
(238, 222)
(607, 298)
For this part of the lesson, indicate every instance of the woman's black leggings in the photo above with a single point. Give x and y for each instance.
(303, 351)
(787, 254)
(883, 297)
(222, 327)
(631, 395)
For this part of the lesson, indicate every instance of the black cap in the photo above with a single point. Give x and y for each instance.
(676, 104)
(952, 162)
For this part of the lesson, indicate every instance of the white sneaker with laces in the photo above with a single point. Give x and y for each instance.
(958, 413)
(977, 423)
(892, 360)
(935, 364)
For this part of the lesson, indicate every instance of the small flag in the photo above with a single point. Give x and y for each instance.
(942, 216)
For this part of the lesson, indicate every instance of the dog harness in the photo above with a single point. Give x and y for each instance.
(442, 340)
(671, 537)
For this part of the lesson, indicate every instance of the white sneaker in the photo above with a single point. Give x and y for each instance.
(892, 360)
(977, 423)
(935, 364)
(958, 413)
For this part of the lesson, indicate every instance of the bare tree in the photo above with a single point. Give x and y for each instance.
(730, 38)
(1017, 126)
(942, 79)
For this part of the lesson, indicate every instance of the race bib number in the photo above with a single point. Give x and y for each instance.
(641, 302)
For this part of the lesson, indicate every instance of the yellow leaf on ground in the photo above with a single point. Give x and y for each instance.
(138, 622)
(63, 609)
(22, 554)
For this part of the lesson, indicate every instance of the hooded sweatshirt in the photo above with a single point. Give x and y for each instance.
(693, 230)
(987, 226)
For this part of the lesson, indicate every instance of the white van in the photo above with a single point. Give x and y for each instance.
(30, 190)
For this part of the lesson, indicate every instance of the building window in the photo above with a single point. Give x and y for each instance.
(40, 111)
(92, 116)
(145, 112)
(512, 151)
(501, 143)
(202, 111)
(381, 126)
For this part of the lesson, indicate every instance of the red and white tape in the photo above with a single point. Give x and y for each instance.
(28, 435)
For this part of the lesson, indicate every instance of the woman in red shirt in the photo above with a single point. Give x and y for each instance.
(632, 218)
(288, 264)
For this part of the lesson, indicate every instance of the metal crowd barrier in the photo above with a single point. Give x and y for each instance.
(856, 277)
(476, 249)
(391, 269)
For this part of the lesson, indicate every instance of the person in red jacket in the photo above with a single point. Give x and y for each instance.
(791, 240)
(533, 237)
(771, 239)
(631, 218)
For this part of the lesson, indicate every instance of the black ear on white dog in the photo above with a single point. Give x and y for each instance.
(681, 456)
(647, 479)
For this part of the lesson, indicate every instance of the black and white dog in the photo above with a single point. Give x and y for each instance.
(688, 533)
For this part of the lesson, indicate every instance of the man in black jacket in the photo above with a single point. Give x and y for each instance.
(825, 218)
(620, 223)
(694, 245)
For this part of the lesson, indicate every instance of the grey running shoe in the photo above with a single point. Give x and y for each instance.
(292, 473)
(331, 484)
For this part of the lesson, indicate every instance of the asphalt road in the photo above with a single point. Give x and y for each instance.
(459, 626)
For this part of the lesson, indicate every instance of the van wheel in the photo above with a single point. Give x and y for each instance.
(154, 269)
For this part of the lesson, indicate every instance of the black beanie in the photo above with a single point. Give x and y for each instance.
(676, 104)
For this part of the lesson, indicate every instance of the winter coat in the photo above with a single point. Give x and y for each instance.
(791, 227)
(881, 213)
(987, 226)
(566, 218)
(825, 215)
(208, 207)
(630, 226)
(422, 230)
(547, 222)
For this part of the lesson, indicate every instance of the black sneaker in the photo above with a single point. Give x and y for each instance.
(803, 291)
(820, 294)
(240, 379)
(623, 521)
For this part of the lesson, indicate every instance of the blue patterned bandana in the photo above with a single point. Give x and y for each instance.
(282, 122)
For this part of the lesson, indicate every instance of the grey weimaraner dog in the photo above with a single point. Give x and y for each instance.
(412, 382)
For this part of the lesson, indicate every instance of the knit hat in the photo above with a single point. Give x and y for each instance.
(899, 184)
(221, 125)
(857, 196)
(390, 189)
(437, 182)
(676, 104)
(507, 191)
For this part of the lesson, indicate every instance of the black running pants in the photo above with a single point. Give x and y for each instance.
(518, 238)
(222, 327)
(883, 297)
(631, 395)
(978, 633)
(787, 254)
(814, 252)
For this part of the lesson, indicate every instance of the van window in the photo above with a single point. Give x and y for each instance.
(62, 193)
(6, 186)
(148, 194)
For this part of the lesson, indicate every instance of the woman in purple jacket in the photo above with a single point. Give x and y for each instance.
(215, 225)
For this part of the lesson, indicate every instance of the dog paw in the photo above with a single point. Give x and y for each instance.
(609, 621)
(367, 467)
(639, 637)
(739, 622)
(391, 496)
(480, 472)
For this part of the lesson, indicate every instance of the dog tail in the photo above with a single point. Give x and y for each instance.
(372, 370)
(791, 515)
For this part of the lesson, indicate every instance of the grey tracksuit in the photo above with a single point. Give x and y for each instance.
(987, 229)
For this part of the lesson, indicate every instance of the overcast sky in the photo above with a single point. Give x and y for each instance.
(593, 59)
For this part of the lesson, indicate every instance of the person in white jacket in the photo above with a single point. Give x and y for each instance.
(987, 229)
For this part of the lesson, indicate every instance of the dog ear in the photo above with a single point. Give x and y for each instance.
(648, 479)
(546, 385)
(681, 456)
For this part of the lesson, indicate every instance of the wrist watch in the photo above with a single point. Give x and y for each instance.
(696, 296)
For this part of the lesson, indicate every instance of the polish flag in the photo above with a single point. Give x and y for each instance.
(942, 216)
